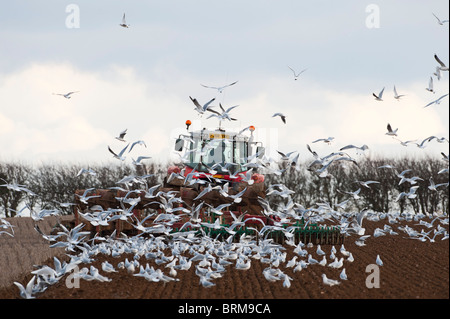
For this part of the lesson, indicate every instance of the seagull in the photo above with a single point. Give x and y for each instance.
(202, 109)
(325, 140)
(362, 148)
(140, 142)
(366, 183)
(329, 282)
(67, 95)
(437, 73)
(397, 96)
(26, 292)
(137, 162)
(87, 171)
(442, 67)
(438, 101)
(124, 23)
(282, 116)
(219, 88)
(343, 275)
(120, 155)
(296, 75)
(441, 22)
(391, 132)
(122, 135)
(379, 96)
(379, 261)
(430, 86)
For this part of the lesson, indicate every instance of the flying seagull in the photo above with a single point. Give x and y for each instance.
(67, 95)
(325, 140)
(397, 96)
(379, 96)
(120, 155)
(441, 22)
(202, 109)
(391, 132)
(442, 67)
(438, 101)
(430, 86)
(283, 117)
(296, 75)
(124, 23)
(219, 88)
(122, 135)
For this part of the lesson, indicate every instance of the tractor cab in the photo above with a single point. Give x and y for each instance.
(221, 151)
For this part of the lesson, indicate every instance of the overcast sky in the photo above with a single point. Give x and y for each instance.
(140, 78)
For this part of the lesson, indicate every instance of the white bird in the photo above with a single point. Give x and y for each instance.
(140, 142)
(137, 162)
(397, 96)
(430, 86)
(441, 22)
(26, 293)
(329, 282)
(437, 73)
(122, 135)
(343, 275)
(367, 183)
(124, 22)
(379, 261)
(106, 266)
(84, 198)
(219, 88)
(442, 67)
(411, 194)
(325, 140)
(296, 75)
(438, 101)
(86, 171)
(66, 95)
(390, 131)
(362, 148)
(319, 251)
(379, 96)
(202, 109)
(120, 155)
(282, 116)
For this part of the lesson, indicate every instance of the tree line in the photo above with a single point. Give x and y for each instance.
(56, 183)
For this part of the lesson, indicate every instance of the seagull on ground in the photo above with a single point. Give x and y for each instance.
(124, 22)
(219, 88)
(379, 261)
(282, 116)
(379, 96)
(329, 282)
(296, 75)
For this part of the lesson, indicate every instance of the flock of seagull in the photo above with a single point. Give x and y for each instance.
(173, 252)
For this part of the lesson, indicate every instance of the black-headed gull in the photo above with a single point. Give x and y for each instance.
(282, 116)
(219, 88)
(66, 95)
(124, 22)
(390, 131)
(296, 75)
(441, 22)
(430, 86)
(379, 96)
(442, 67)
(438, 101)
(396, 95)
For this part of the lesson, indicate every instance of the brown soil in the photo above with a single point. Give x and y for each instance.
(412, 269)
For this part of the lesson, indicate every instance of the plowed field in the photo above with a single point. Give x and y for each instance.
(411, 269)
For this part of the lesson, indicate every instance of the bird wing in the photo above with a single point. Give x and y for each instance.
(389, 128)
(109, 148)
(439, 61)
(205, 107)
(381, 93)
(196, 103)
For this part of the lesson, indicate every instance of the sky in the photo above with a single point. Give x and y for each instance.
(140, 78)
